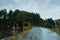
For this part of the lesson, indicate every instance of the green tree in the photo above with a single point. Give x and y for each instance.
(49, 23)
(10, 18)
(3, 21)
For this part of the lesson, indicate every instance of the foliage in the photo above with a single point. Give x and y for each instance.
(49, 23)
(18, 17)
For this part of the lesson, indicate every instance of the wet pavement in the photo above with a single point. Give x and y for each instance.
(38, 33)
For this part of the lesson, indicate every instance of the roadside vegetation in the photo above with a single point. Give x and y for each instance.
(13, 18)
(18, 36)
(57, 30)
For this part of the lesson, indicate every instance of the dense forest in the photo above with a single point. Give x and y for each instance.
(7, 19)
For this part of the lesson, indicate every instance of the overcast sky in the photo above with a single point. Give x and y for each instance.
(46, 8)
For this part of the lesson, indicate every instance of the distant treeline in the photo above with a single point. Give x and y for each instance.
(7, 19)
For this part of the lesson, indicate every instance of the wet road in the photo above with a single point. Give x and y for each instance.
(38, 33)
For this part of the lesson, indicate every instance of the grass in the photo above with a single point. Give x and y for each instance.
(57, 30)
(20, 35)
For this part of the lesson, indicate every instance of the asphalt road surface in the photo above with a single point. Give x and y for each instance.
(38, 33)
